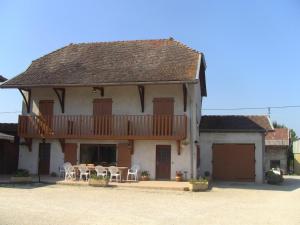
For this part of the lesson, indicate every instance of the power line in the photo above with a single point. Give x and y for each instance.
(10, 112)
(255, 108)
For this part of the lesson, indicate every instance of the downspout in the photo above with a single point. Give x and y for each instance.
(192, 118)
(191, 137)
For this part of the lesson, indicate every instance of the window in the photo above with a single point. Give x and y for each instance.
(104, 154)
(274, 164)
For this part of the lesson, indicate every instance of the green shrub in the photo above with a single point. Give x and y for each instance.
(200, 180)
(95, 177)
(145, 173)
(274, 178)
(21, 173)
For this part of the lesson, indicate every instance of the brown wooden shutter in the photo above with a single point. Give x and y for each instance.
(102, 111)
(46, 116)
(71, 153)
(46, 107)
(163, 106)
(124, 157)
(163, 111)
(102, 107)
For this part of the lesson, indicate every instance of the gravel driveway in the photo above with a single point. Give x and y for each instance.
(227, 203)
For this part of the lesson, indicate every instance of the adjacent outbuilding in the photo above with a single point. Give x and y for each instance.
(276, 151)
(232, 147)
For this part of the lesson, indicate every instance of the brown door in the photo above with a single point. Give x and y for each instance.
(46, 115)
(234, 162)
(163, 162)
(102, 111)
(71, 153)
(163, 111)
(9, 155)
(124, 157)
(44, 158)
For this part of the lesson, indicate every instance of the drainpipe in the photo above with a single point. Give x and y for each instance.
(191, 134)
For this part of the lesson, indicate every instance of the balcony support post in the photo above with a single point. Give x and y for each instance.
(184, 89)
(62, 144)
(131, 146)
(61, 92)
(26, 98)
(178, 146)
(141, 89)
(28, 143)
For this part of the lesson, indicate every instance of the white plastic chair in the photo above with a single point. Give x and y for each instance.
(101, 171)
(114, 173)
(62, 169)
(69, 172)
(84, 171)
(133, 173)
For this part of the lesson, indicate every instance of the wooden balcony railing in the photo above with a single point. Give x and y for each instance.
(131, 127)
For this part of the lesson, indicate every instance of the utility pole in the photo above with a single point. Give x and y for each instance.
(269, 112)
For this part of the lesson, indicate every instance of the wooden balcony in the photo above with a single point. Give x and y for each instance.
(115, 127)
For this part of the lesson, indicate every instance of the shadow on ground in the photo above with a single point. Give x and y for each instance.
(290, 183)
(24, 185)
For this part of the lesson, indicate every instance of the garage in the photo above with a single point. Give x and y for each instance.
(232, 147)
(233, 162)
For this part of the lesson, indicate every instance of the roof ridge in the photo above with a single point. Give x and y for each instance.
(122, 41)
(235, 115)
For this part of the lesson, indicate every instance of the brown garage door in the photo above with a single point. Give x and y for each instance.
(234, 162)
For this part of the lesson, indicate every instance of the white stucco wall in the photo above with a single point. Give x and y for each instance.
(208, 139)
(79, 101)
(29, 160)
(144, 155)
(276, 153)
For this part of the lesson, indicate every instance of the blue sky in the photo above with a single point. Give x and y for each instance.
(252, 48)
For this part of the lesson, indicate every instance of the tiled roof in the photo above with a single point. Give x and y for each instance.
(2, 79)
(235, 124)
(9, 128)
(278, 134)
(100, 63)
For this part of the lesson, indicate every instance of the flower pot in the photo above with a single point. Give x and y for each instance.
(21, 179)
(178, 178)
(198, 186)
(98, 182)
(145, 178)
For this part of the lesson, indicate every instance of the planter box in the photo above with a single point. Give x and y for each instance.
(98, 183)
(198, 186)
(144, 178)
(21, 179)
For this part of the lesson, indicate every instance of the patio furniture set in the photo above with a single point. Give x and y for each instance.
(84, 171)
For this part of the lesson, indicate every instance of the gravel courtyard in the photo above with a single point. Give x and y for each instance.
(227, 203)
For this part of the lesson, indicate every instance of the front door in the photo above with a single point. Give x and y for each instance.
(44, 158)
(163, 162)
(102, 111)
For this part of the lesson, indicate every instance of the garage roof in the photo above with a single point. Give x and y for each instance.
(232, 123)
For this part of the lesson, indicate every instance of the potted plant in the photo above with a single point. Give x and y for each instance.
(207, 176)
(98, 181)
(198, 184)
(145, 175)
(21, 176)
(179, 176)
